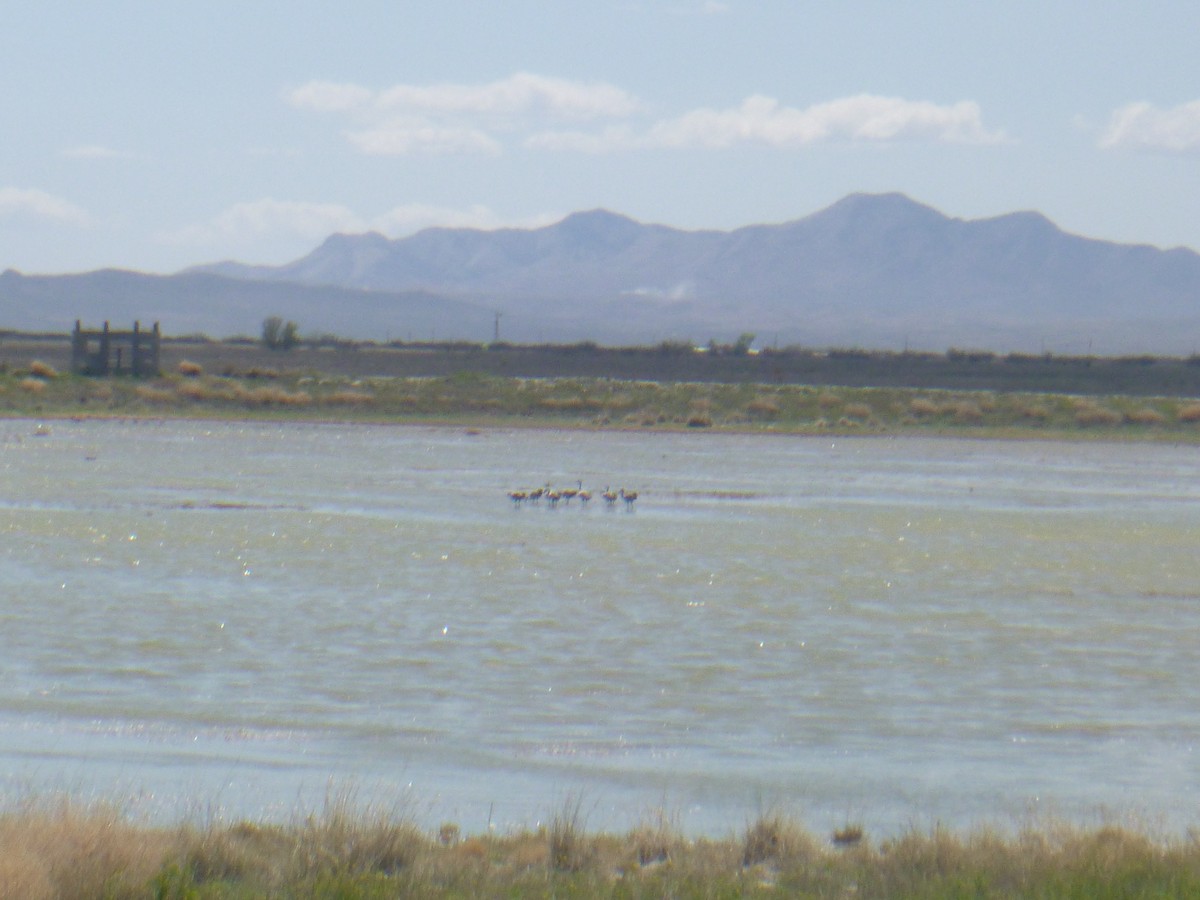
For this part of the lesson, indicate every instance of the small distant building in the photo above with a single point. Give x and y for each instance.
(108, 352)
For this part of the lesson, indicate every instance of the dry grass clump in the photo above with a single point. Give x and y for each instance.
(1145, 416)
(348, 398)
(350, 841)
(763, 408)
(1089, 413)
(848, 835)
(655, 840)
(39, 369)
(194, 391)
(1034, 411)
(261, 372)
(923, 407)
(189, 369)
(774, 838)
(33, 385)
(1189, 413)
(273, 396)
(153, 394)
(857, 411)
(827, 400)
(58, 849)
(966, 412)
(568, 849)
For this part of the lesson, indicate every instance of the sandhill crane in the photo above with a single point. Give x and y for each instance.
(584, 496)
(629, 497)
(518, 497)
(609, 495)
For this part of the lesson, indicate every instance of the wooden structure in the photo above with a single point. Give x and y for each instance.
(104, 352)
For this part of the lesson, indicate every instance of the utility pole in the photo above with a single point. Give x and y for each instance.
(496, 329)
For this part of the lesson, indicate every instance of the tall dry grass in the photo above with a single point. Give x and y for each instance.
(60, 849)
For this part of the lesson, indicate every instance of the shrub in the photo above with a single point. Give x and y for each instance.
(923, 406)
(965, 411)
(190, 369)
(764, 407)
(33, 385)
(1190, 413)
(1144, 416)
(191, 390)
(1034, 411)
(857, 411)
(279, 335)
(775, 839)
(349, 398)
(1088, 414)
(42, 370)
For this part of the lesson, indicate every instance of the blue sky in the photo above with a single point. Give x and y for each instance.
(157, 135)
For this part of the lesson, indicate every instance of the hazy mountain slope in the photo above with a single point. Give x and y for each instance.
(220, 306)
(870, 270)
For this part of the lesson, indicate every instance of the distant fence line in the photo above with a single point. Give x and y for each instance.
(103, 352)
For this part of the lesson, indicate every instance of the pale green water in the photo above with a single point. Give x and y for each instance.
(228, 617)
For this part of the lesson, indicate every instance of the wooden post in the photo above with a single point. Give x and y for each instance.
(105, 350)
(78, 349)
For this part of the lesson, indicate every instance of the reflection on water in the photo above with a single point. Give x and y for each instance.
(234, 617)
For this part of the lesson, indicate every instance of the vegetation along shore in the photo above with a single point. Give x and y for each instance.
(666, 387)
(57, 848)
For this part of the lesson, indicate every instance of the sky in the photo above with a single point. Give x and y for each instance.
(159, 135)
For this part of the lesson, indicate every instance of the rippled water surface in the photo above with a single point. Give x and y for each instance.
(240, 618)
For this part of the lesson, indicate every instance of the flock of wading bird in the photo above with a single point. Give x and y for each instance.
(554, 496)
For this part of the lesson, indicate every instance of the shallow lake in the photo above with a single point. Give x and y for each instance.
(238, 620)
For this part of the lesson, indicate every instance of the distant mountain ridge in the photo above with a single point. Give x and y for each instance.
(872, 270)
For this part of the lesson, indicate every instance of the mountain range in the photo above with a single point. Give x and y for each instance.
(872, 270)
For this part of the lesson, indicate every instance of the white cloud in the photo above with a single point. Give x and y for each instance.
(544, 113)
(328, 96)
(1142, 126)
(403, 136)
(268, 219)
(28, 202)
(677, 293)
(762, 120)
(614, 137)
(519, 94)
(459, 118)
(94, 151)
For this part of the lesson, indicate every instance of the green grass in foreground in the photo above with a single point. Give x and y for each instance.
(58, 849)
(595, 402)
